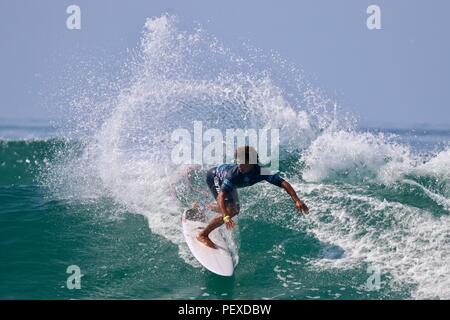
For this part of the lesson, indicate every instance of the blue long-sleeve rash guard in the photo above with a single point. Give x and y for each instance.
(230, 178)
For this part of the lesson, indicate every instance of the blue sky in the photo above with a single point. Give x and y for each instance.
(397, 76)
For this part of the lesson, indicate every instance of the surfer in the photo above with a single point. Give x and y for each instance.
(224, 180)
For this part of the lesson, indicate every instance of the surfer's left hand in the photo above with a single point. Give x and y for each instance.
(301, 206)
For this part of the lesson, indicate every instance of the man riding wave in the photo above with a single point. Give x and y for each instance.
(225, 179)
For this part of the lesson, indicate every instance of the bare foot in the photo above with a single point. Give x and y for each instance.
(206, 241)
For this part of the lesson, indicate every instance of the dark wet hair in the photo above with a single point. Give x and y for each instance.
(246, 155)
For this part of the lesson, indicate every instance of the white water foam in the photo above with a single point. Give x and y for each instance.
(409, 243)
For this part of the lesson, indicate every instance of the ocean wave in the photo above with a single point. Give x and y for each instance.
(367, 158)
(179, 77)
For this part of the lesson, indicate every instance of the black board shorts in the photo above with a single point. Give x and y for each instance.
(213, 182)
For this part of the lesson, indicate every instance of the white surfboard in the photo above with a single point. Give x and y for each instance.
(217, 260)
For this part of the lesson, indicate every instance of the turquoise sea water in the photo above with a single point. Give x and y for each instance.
(402, 226)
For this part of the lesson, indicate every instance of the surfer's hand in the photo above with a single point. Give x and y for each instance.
(230, 224)
(301, 206)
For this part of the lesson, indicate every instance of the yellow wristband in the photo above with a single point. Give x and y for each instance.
(226, 218)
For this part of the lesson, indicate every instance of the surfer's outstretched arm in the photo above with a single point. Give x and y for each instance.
(299, 204)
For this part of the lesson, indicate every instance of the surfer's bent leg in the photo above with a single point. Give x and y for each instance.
(231, 203)
(217, 221)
